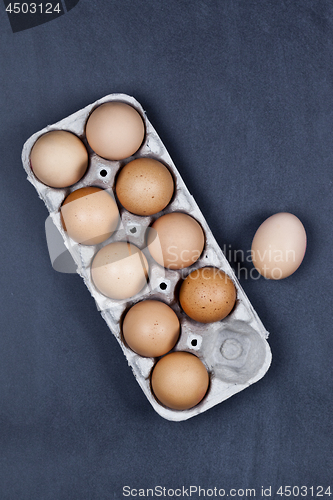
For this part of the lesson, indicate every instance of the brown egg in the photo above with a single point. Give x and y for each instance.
(59, 159)
(89, 215)
(119, 270)
(207, 295)
(279, 245)
(151, 328)
(179, 380)
(175, 240)
(144, 186)
(115, 130)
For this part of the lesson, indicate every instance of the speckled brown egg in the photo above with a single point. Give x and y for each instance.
(175, 240)
(144, 186)
(151, 328)
(119, 270)
(179, 380)
(115, 130)
(59, 159)
(89, 215)
(207, 295)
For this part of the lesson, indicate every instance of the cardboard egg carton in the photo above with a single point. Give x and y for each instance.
(235, 350)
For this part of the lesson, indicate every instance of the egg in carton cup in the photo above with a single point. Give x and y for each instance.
(204, 359)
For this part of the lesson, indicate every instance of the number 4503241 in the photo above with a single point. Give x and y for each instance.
(32, 8)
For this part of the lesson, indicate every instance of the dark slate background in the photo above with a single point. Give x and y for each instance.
(241, 93)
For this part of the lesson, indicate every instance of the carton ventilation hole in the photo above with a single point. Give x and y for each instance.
(163, 286)
(194, 342)
(103, 172)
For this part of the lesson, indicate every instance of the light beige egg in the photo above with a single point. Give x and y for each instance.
(89, 215)
(119, 270)
(207, 295)
(144, 186)
(176, 240)
(115, 130)
(151, 328)
(180, 380)
(59, 159)
(279, 245)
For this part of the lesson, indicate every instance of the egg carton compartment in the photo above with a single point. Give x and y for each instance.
(234, 350)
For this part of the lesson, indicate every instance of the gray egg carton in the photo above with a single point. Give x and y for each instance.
(235, 350)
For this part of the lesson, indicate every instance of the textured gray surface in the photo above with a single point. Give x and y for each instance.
(241, 93)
